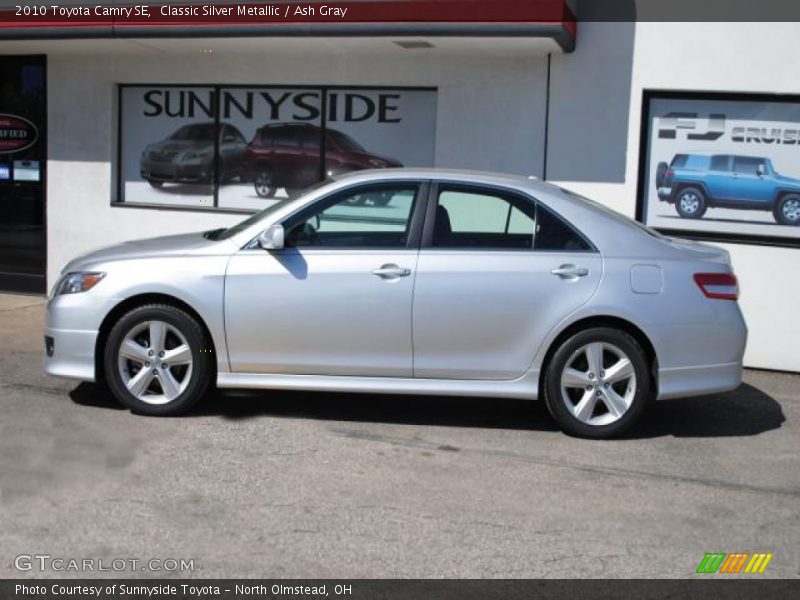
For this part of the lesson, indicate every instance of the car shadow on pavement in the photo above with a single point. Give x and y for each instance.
(746, 412)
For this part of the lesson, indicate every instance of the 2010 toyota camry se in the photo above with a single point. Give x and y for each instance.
(460, 283)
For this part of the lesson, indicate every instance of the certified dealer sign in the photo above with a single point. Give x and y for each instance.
(16, 133)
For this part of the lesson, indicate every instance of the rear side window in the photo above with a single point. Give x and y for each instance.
(286, 137)
(719, 163)
(468, 218)
(554, 234)
(476, 218)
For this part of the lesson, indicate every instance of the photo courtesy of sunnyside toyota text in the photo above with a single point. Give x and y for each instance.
(400, 299)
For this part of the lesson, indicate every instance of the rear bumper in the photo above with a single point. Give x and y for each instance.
(665, 194)
(70, 353)
(698, 381)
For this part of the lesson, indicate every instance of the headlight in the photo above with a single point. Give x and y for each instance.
(75, 283)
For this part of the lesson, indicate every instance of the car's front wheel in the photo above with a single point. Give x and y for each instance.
(787, 210)
(158, 361)
(597, 384)
(155, 184)
(691, 203)
(264, 183)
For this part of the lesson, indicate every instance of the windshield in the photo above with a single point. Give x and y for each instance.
(262, 214)
(194, 133)
(345, 141)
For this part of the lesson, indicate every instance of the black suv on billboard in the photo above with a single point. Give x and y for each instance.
(288, 155)
(187, 156)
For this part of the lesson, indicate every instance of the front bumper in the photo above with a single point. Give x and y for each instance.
(175, 173)
(70, 353)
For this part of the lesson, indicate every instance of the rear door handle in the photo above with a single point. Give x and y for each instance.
(391, 271)
(570, 272)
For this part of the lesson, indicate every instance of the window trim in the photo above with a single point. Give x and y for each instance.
(513, 195)
(416, 218)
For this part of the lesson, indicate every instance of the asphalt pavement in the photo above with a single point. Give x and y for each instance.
(279, 484)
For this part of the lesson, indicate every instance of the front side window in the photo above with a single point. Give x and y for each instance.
(369, 217)
(747, 165)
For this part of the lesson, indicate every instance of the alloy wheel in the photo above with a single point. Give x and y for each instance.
(155, 362)
(791, 209)
(598, 384)
(690, 203)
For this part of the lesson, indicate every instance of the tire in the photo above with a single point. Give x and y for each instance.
(596, 413)
(661, 171)
(691, 203)
(787, 210)
(155, 184)
(264, 182)
(190, 374)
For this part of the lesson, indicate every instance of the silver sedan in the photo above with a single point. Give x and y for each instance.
(409, 281)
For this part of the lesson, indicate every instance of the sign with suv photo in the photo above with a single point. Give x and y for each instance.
(722, 166)
(239, 147)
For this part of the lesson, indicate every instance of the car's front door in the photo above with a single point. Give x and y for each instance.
(751, 180)
(337, 299)
(495, 274)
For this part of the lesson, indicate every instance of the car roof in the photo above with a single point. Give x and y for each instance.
(442, 174)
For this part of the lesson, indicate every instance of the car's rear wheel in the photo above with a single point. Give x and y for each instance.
(155, 184)
(158, 361)
(787, 210)
(691, 203)
(264, 183)
(597, 383)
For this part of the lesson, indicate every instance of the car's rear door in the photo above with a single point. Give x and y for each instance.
(337, 299)
(495, 275)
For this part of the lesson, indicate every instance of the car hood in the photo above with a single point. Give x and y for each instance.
(173, 245)
(790, 180)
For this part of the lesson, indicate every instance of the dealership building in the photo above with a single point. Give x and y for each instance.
(116, 127)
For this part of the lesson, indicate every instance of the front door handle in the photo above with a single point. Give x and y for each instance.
(570, 272)
(391, 271)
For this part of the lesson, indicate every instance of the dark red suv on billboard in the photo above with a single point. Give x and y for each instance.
(288, 155)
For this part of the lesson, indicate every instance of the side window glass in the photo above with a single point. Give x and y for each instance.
(719, 163)
(552, 233)
(477, 219)
(746, 165)
(373, 217)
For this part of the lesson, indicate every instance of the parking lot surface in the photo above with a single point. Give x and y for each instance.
(334, 485)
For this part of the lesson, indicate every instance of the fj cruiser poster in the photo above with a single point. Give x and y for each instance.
(244, 147)
(723, 165)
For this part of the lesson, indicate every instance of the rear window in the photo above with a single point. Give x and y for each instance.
(679, 161)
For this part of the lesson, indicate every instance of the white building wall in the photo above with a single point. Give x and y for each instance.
(728, 57)
(490, 116)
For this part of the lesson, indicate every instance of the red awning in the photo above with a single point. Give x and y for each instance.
(372, 18)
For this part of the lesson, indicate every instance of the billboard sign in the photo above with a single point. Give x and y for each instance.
(722, 166)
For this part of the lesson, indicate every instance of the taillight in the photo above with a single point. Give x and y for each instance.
(669, 173)
(720, 286)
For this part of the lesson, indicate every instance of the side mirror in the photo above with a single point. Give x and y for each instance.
(272, 238)
(761, 170)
